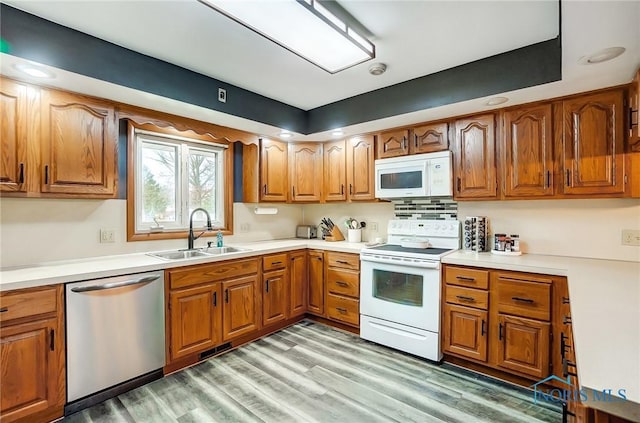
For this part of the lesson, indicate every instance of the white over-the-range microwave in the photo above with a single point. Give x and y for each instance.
(420, 175)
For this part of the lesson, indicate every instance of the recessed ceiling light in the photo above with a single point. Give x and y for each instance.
(337, 132)
(377, 69)
(34, 70)
(496, 100)
(601, 56)
(286, 134)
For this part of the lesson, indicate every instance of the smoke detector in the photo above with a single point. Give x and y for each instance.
(377, 69)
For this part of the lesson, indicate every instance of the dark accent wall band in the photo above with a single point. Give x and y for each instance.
(30, 37)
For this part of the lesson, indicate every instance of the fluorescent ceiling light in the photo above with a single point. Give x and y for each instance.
(304, 27)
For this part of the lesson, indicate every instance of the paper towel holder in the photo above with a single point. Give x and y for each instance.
(265, 210)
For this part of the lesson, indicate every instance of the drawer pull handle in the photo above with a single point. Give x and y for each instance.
(340, 283)
(465, 298)
(226, 295)
(523, 300)
(267, 283)
(465, 278)
(215, 299)
(342, 262)
(500, 332)
(21, 174)
(4, 309)
(483, 330)
(52, 340)
(341, 310)
(276, 262)
(565, 300)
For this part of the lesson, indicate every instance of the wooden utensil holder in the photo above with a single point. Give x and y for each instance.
(336, 235)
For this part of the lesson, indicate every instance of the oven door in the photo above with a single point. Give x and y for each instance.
(402, 294)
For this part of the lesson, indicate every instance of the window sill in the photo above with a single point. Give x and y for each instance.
(154, 236)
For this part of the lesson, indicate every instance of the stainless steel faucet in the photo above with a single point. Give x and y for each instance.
(191, 236)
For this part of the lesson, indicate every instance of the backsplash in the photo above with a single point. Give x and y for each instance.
(434, 208)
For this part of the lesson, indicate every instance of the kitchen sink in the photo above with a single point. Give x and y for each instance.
(216, 251)
(192, 254)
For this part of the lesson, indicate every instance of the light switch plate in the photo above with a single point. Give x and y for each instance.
(107, 235)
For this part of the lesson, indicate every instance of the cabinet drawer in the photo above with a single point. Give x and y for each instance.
(17, 304)
(344, 309)
(343, 260)
(467, 277)
(273, 262)
(211, 272)
(343, 282)
(467, 297)
(523, 298)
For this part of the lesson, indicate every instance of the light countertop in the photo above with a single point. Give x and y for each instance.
(605, 311)
(65, 271)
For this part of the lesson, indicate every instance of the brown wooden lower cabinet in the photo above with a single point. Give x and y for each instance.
(240, 311)
(299, 281)
(316, 283)
(523, 345)
(465, 331)
(343, 309)
(196, 319)
(342, 285)
(274, 297)
(32, 355)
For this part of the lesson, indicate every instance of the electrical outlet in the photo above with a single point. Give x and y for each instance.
(107, 235)
(630, 237)
(222, 95)
(245, 227)
(374, 226)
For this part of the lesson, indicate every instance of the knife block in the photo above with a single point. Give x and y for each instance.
(336, 235)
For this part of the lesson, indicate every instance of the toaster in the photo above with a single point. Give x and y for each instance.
(306, 231)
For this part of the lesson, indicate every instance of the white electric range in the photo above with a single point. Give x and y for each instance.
(400, 287)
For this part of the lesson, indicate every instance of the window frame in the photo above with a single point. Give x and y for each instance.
(192, 139)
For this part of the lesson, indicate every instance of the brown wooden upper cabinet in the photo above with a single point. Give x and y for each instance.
(360, 170)
(634, 118)
(273, 171)
(592, 144)
(393, 143)
(335, 171)
(475, 158)
(305, 171)
(429, 138)
(527, 164)
(58, 143)
(79, 142)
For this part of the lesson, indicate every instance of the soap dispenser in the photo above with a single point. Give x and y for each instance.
(220, 241)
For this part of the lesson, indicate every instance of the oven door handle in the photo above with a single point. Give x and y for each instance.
(422, 264)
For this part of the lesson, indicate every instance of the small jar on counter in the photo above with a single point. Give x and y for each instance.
(515, 242)
(496, 243)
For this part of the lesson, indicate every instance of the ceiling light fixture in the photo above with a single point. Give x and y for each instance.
(304, 27)
(34, 70)
(496, 100)
(285, 134)
(337, 132)
(601, 56)
(377, 69)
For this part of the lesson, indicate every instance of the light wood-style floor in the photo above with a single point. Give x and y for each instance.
(310, 372)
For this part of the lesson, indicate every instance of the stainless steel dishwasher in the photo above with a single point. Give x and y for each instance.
(115, 336)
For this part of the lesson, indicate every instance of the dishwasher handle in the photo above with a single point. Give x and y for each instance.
(112, 285)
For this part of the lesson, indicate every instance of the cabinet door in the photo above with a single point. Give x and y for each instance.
(634, 104)
(593, 161)
(316, 283)
(528, 152)
(17, 118)
(273, 171)
(196, 320)
(465, 331)
(429, 138)
(393, 143)
(523, 345)
(31, 368)
(299, 281)
(360, 170)
(274, 297)
(79, 145)
(335, 171)
(305, 171)
(240, 314)
(474, 158)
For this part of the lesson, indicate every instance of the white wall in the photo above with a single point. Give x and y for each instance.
(39, 230)
(577, 228)
(380, 213)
